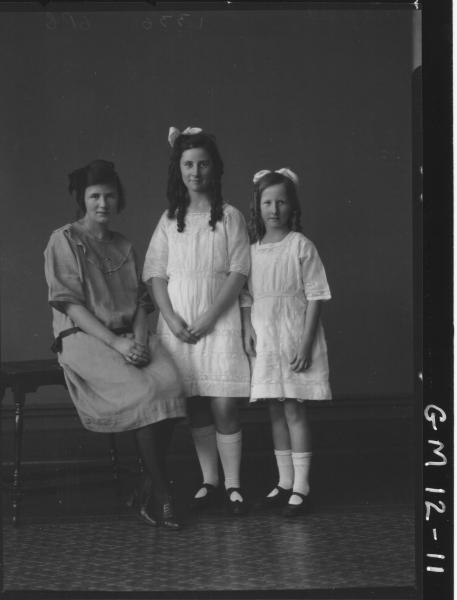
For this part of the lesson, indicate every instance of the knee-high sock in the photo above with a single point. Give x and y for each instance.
(205, 446)
(285, 468)
(229, 446)
(285, 471)
(302, 464)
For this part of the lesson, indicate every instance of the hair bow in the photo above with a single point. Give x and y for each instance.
(173, 133)
(284, 171)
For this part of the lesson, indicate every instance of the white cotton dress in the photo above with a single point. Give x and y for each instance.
(284, 277)
(196, 262)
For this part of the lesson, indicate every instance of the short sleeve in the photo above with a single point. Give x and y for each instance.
(156, 260)
(62, 272)
(237, 242)
(313, 273)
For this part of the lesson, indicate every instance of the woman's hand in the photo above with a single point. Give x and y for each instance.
(141, 355)
(133, 352)
(249, 339)
(202, 325)
(181, 330)
(302, 359)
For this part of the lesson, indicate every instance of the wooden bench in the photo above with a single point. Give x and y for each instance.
(23, 378)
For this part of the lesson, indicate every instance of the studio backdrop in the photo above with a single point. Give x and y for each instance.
(328, 93)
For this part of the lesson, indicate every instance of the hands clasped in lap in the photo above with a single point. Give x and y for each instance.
(191, 334)
(134, 352)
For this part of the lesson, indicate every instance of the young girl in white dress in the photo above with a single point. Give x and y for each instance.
(197, 262)
(283, 331)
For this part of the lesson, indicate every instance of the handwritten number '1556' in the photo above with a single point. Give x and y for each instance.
(77, 22)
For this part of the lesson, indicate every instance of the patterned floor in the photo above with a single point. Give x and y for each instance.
(79, 536)
(329, 549)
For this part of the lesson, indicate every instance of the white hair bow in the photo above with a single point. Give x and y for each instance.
(284, 171)
(173, 133)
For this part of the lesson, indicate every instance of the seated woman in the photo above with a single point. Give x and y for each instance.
(119, 376)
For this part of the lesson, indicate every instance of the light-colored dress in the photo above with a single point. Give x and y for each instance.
(110, 395)
(284, 276)
(196, 263)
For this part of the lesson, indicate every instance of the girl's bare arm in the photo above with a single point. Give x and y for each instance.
(249, 335)
(302, 359)
(178, 326)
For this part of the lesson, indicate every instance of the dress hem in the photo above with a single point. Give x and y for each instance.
(319, 391)
(216, 389)
(175, 409)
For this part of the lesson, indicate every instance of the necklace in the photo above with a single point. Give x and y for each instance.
(100, 248)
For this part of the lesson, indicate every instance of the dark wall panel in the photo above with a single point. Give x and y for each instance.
(327, 93)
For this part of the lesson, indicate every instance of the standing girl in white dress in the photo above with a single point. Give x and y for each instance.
(197, 262)
(283, 331)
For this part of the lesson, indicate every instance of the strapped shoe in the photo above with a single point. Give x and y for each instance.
(277, 501)
(295, 510)
(209, 499)
(235, 507)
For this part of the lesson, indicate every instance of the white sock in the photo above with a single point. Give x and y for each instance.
(229, 446)
(302, 464)
(285, 470)
(205, 446)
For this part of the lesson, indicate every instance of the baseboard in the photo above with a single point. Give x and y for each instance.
(48, 417)
(57, 441)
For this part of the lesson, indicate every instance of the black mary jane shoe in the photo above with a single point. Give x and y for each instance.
(279, 500)
(295, 510)
(139, 502)
(206, 501)
(235, 507)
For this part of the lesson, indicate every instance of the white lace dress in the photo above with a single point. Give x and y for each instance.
(284, 277)
(195, 264)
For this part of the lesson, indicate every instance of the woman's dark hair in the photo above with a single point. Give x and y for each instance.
(95, 173)
(256, 224)
(177, 194)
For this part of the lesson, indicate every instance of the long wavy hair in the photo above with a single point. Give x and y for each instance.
(96, 172)
(256, 225)
(177, 193)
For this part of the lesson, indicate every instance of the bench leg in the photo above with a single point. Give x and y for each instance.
(19, 401)
(4, 483)
(114, 460)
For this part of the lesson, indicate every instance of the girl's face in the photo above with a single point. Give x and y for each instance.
(196, 169)
(275, 208)
(101, 203)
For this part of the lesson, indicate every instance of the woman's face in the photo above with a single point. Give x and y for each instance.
(196, 169)
(101, 203)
